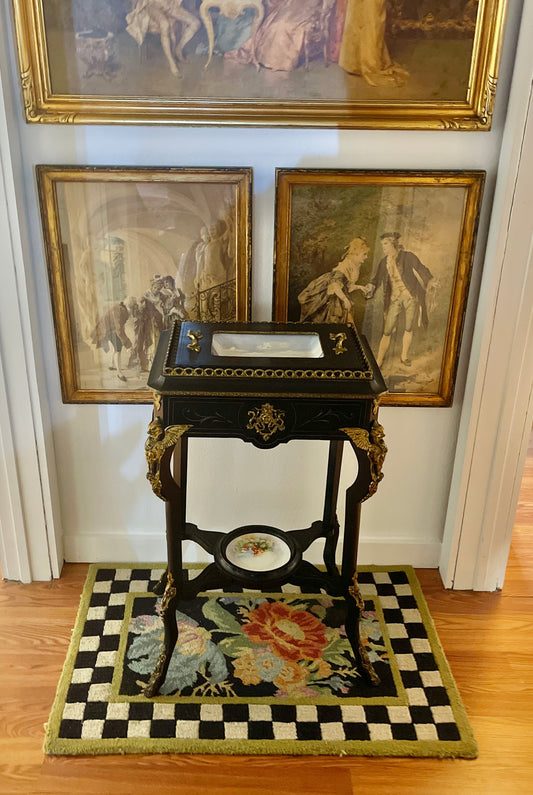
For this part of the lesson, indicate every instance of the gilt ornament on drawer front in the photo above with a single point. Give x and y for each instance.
(266, 420)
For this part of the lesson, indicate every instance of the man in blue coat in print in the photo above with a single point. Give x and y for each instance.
(404, 280)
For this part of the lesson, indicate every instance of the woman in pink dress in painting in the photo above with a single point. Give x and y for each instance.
(354, 31)
(279, 42)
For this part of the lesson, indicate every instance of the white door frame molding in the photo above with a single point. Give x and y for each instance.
(30, 540)
(498, 408)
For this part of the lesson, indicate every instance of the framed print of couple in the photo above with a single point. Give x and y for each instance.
(390, 251)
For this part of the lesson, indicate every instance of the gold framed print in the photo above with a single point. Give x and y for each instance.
(130, 250)
(390, 251)
(418, 64)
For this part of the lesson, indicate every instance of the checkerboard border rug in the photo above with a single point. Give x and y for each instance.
(426, 718)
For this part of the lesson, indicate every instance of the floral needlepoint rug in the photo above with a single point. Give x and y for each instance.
(256, 673)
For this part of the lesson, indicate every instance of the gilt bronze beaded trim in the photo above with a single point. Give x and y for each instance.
(268, 372)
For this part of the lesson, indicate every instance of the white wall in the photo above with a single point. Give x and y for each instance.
(108, 511)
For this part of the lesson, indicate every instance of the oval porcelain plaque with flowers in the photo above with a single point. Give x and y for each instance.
(258, 552)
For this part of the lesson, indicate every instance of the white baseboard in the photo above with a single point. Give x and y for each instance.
(151, 547)
(397, 552)
(115, 548)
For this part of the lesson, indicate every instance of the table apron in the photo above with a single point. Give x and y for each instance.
(267, 421)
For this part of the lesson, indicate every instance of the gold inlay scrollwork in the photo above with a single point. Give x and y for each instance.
(266, 420)
(158, 441)
(364, 373)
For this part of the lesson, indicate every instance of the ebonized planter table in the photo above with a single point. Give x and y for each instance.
(265, 383)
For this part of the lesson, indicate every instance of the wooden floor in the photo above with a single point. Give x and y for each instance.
(488, 639)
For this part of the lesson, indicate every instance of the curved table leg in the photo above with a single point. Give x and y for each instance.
(168, 614)
(354, 608)
(370, 451)
(159, 448)
(330, 521)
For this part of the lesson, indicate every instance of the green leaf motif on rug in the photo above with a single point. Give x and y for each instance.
(224, 620)
(235, 646)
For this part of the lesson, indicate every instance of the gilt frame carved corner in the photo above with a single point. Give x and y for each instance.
(258, 62)
(130, 250)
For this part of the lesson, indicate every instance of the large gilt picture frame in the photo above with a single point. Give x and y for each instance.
(417, 64)
(391, 252)
(131, 250)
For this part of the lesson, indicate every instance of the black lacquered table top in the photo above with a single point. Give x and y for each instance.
(189, 359)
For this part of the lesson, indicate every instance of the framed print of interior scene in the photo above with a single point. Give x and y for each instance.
(342, 63)
(131, 250)
(389, 251)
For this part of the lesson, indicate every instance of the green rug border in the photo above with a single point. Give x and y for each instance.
(465, 748)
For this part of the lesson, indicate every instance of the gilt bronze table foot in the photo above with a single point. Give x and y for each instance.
(366, 667)
(158, 675)
(168, 616)
(355, 606)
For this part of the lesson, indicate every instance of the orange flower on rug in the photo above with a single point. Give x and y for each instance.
(291, 634)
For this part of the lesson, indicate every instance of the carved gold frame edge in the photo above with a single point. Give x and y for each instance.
(473, 113)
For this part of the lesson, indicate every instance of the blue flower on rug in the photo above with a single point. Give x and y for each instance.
(195, 652)
(240, 645)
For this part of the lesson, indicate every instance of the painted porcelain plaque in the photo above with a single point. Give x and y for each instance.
(258, 552)
(262, 344)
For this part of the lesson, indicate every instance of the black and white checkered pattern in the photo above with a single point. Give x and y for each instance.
(420, 711)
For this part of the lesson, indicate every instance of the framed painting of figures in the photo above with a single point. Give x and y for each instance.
(130, 251)
(391, 252)
(417, 64)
